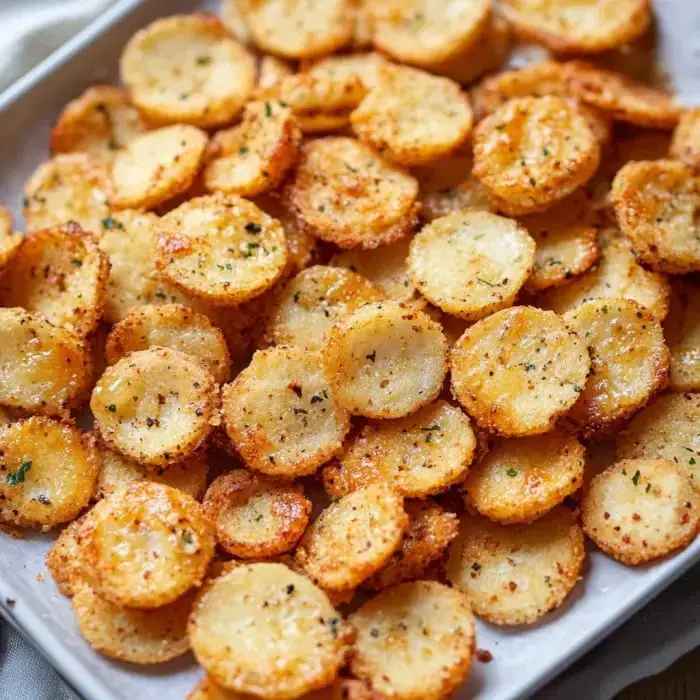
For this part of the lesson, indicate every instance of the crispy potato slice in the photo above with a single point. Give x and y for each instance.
(533, 152)
(271, 70)
(385, 360)
(187, 69)
(617, 274)
(63, 560)
(44, 369)
(155, 406)
(254, 516)
(136, 636)
(520, 480)
(412, 117)
(72, 187)
(340, 68)
(312, 301)
(629, 361)
(471, 263)
(414, 641)
(263, 629)
(157, 166)
(344, 193)
(517, 371)
(420, 455)
(232, 17)
(656, 204)
(222, 248)
(353, 537)
(685, 145)
(258, 153)
(47, 472)
(682, 331)
(282, 414)
(341, 689)
(61, 274)
(100, 121)
(171, 326)
(146, 545)
(641, 509)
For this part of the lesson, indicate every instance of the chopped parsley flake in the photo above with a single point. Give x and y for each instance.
(268, 110)
(110, 223)
(635, 478)
(112, 408)
(14, 478)
(203, 60)
(512, 472)
(250, 227)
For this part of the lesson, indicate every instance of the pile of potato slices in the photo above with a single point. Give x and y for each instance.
(322, 321)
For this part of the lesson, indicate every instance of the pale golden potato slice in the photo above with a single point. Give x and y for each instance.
(47, 472)
(222, 248)
(187, 69)
(685, 145)
(353, 537)
(341, 689)
(656, 205)
(72, 187)
(282, 414)
(420, 455)
(271, 70)
(629, 361)
(412, 117)
(9, 242)
(341, 67)
(344, 193)
(312, 301)
(146, 545)
(266, 630)
(471, 263)
(254, 516)
(641, 509)
(44, 369)
(100, 122)
(157, 166)
(155, 406)
(517, 371)
(232, 17)
(533, 152)
(414, 641)
(682, 332)
(63, 560)
(60, 273)
(385, 360)
(520, 480)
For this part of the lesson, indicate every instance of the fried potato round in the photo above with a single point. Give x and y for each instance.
(353, 537)
(420, 455)
(72, 187)
(414, 641)
(629, 361)
(533, 152)
(656, 204)
(61, 274)
(312, 301)
(254, 516)
(146, 545)
(187, 69)
(426, 32)
(471, 263)
(682, 332)
(271, 70)
(641, 509)
(282, 414)
(258, 153)
(344, 193)
(412, 117)
(520, 480)
(385, 360)
(517, 371)
(341, 689)
(100, 122)
(171, 326)
(136, 636)
(44, 369)
(155, 406)
(47, 472)
(222, 248)
(266, 630)
(63, 560)
(340, 68)
(685, 145)
(618, 275)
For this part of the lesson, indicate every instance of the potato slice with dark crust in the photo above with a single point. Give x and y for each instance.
(63, 560)
(517, 371)
(686, 138)
(682, 332)
(641, 509)
(414, 641)
(256, 517)
(516, 574)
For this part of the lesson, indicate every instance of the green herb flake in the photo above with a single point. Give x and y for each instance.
(476, 566)
(203, 60)
(76, 263)
(372, 356)
(512, 472)
(691, 460)
(259, 518)
(530, 366)
(635, 478)
(110, 223)
(648, 488)
(242, 150)
(112, 408)
(268, 110)
(14, 478)
(253, 228)
(161, 295)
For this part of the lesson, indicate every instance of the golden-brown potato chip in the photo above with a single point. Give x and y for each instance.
(339, 68)
(271, 70)
(187, 69)
(641, 509)
(414, 641)
(682, 331)
(517, 371)
(63, 560)
(385, 360)
(686, 138)
(341, 689)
